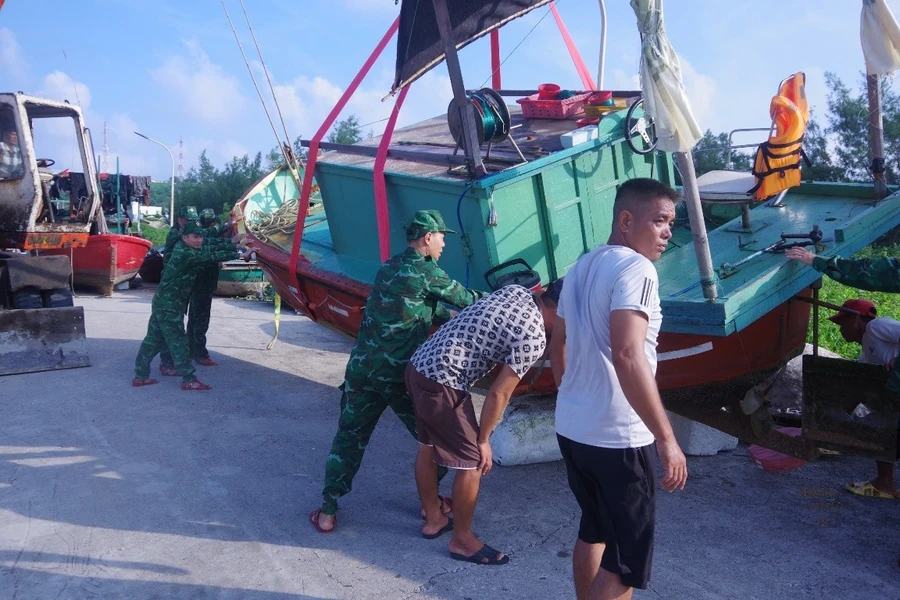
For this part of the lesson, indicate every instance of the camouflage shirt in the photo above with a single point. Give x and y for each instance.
(405, 300)
(172, 238)
(873, 274)
(179, 276)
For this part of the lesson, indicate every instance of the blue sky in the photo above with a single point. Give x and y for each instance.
(171, 69)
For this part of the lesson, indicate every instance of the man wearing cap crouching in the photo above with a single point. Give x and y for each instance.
(879, 338)
(166, 326)
(404, 303)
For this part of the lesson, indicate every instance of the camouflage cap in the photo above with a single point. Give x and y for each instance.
(426, 221)
(207, 216)
(192, 227)
(189, 212)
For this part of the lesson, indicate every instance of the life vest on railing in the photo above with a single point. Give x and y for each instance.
(777, 162)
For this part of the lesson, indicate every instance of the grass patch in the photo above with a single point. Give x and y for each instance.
(888, 304)
(156, 236)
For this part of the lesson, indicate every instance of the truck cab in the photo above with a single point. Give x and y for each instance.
(48, 200)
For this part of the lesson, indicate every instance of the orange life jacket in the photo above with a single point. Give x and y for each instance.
(777, 162)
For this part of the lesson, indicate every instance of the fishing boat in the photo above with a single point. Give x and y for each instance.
(528, 181)
(111, 256)
(240, 278)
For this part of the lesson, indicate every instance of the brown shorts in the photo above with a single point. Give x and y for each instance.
(445, 420)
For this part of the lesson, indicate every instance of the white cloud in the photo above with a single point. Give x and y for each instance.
(701, 91)
(60, 86)
(11, 59)
(200, 87)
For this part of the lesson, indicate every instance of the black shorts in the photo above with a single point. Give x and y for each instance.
(616, 489)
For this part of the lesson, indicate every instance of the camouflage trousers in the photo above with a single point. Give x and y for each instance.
(165, 331)
(199, 311)
(361, 407)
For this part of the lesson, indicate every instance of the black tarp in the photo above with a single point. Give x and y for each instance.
(419, 46)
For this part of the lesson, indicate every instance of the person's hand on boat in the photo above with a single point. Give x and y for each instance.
(675, 464)
(801, 254)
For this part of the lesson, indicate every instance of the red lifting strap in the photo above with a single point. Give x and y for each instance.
(303, 207)
(381, 207)
(586, 80)
(495, 59)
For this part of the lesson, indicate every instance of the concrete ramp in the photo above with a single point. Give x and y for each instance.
(42, 340)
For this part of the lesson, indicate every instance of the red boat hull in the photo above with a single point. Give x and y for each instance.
(107, 260)
(687, 362)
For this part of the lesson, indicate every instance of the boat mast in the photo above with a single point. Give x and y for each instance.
(876, 135)
(467, 112)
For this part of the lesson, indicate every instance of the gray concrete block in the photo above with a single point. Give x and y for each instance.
(697, 439)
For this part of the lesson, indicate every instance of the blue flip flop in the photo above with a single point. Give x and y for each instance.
(485, 556)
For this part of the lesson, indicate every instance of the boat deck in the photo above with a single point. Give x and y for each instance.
(536, 138)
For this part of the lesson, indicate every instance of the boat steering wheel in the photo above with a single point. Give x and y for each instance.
(641, 127)
(45, 162)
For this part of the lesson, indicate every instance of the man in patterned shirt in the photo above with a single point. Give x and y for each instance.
(11, 166)
(509, 328)
(404, 303)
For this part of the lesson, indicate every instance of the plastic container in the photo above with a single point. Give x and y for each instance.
(579, 136)
(600, 99)
(594, 110)
(548, 91)
(535, 108)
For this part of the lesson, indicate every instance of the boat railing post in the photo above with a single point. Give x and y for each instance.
(461, 102)
(698, 226)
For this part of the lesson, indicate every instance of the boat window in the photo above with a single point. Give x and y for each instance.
(11, 166)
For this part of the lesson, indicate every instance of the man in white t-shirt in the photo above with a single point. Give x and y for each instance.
(879, 338)
(608, 410)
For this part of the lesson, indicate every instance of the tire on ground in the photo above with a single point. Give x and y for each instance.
(28, 297)
(58, 298)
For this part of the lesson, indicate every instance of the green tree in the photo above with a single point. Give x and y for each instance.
(205, 186)
(347, 131)
(848, 117)
(275, 159)
(711, 154)
(821, 165)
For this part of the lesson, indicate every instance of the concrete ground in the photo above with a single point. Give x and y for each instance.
(107, 491)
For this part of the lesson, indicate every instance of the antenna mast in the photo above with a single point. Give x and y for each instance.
(104, 163)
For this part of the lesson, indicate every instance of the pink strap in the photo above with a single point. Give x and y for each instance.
(495, 59)
(586, 80)
(381, 207)
(303, 208)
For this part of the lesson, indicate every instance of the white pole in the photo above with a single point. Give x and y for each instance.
(172, 191)
(602, 64)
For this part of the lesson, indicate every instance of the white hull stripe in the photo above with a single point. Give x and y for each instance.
(685, 352)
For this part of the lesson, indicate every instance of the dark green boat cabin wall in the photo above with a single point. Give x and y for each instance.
(548, 211)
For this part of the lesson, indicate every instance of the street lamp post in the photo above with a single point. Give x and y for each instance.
(172, 194)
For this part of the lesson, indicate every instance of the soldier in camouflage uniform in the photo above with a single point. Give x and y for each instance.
(201, 297)
(873, 274)
(187, 214)
(166, 326)
(404, 303)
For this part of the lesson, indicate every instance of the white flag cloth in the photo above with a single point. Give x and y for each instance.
(880, 36)
(665, 99)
